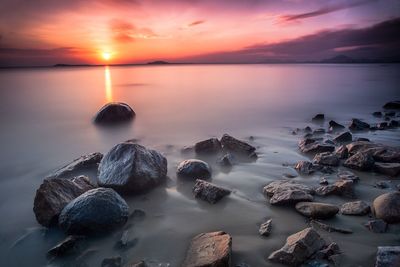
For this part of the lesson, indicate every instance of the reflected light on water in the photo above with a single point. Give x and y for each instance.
(108, 86)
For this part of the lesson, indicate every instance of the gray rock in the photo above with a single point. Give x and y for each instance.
(348, 176)
(209, 192)
(68, 245)
(342, 152)
(323, 181)
(287, 192)
(298, 248)
(343, 137)
(392, 105)
(335, 126)
(193, 169)
(317, 210)
(209, 250)
(376, 226)
(387, 207)
(112, 262)
(94, 212)
(265, 228)
(114, 113)
(330, 228)
(227, 160)
(340, 188)
(236, 146)
(319, 131)
(137, 264)
(54, 194)
(326, 158)
(382, 126)
(360, 161)
(391, 169)
(358, 208)
(318, 117)
(313, 146)
(132, 169)
(209, 146)
(304, 167)
(327, 252)
(394, 124)
(377, 114)
(388, 256)
(357, 125)
(308, 129)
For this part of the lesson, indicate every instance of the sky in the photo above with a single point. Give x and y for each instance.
(48, 32)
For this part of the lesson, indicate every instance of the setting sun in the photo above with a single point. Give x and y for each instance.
(106, 56)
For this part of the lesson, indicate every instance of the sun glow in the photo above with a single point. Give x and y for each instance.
(106, 56)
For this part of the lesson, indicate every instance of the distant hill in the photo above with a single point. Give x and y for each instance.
(339, 59)
(158, 62)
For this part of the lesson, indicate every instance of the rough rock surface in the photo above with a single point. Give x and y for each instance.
(360, 161)
(316, 147)
(343, 137)
(387, 207)
(379, 152)
(209, 250)
(304, 167)
(54, 194)
(391, 169)
(82, 163)
(355, 208)
(265, 228)
(193, 169)
(287, 192)
(209, 192)
(326, 158)
(376, 226)
(330, 228)
(131, 168)
(340, 188)
(95, 211)
(298, 248)
(388, 256)
(114, 113)
(209, 146)
(357, 125)
(342, 152)
(317, 210)
(234, 145)
(227, 160)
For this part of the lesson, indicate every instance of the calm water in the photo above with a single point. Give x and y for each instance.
(45, 117)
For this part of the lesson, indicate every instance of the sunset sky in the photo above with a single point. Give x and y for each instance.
(47, 32)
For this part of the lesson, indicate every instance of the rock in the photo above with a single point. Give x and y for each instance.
(355, 208)
(392, 105)
(227, 160)
(304, 167)
(323, 181)
(137, 264)
(388, 256)
(382, 184)
(54, 194)
(66, 246)
(343, 137)
(394, 124)
(236, 146)
(132, 169)
(316, 147)
(357, 125)
(265, 228)
(112, 262)
(342, 152)
(382, 126)
(330, 228)
(317, 210)
(137, 215)
(390, 113)
(377, 114)
(360, 161)
(95, 211)
(335, 126)
(391, 169)
(298, 248)
(193, 169)
(326, 253)
(79, 164)
(209, 192)
(308, 129)
(315, 263)
(209, 250)
(348, 176)
(287, 192)
(114, 113)
(187, 150)
(376, 226)
(326, 158)
(209, 146)
(318, 117)
(340, 188)
(387, 207)
(319, 131)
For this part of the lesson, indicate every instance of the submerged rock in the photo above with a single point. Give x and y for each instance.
(68, 245)
(209, 250)
(391, 169)
(132, 169)
(317, 210)
(304, 167)
(227, 160)
(330, 228)
(328, 252)
(287, 192)
(377, 114)
(327, 158)
(376, 226)
(114, 113)
(388, 256)
(333, 125)
(358, 125)
(234, 145)
(360, 161)
(387, 207)
(94, 212)
(355, 208)
(318, 117)
(209, 146)
(209, 192)
(319, 131)
(342, 152)
(343, 137)
(193, 169)
(54, 194)
(392, 105)
(265, 228)
(298, 248)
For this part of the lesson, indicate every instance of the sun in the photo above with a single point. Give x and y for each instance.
(106, 56)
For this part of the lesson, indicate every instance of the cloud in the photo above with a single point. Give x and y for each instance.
(197, 22)
(126, 32)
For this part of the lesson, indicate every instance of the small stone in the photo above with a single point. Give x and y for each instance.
(394, 124)
(391, 169)
(357, 125)
(209, 146)
(342, 152)
(382, 184)
(308, 129)
(194, 169)
(317, 148)
(348, 176)
(234, 145)
(209, 192)
(226, 160)
(187, 150)
(335, 126)
(358, 208)
(112, 262)
(319, 131)
(377, 114)
(66, 246)
(304, 167)
(376, 226)
(388, 256)
(317, 210)
(382, 126)
(318, 117)
(360, 161)
(137, 264)
(265, 228)
(326, 158)
(341, 188)
(330, 250)
(323, 181)
(330, 228)
(287, 192)
(343, 137)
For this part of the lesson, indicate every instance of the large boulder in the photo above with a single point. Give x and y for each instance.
(379, 152)
(209, 146)
(317, 210)
(80, 164)
(387, 207)
(358, 208)
(310, 145)
(193, 169)
(54, 194)
(131, 168)
(236, 146)
(209, 250)
(209, 192)
(298, 248)
(360, 161)
(388, 256)
(391, 169)
(94, 212)
(287, 192)
(392, 105)
(358, 125)
(326, 158)
(114, 113)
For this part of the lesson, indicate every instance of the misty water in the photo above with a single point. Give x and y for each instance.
(46, 121)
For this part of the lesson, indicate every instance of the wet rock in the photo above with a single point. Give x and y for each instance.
(318, 117)
(95, 211)
(330, 228)
(112, 262)
(304, 167)
(132, 169)
(308, 129)
(391, 169)
(68, 245)
(187, 150)
(382, 184)
(209, 250)
(358, 208)
(114, 113)
(377, 114)
(362, 139)
(319, 131)
(326, 158)
(330, 250)
(390, 113)
(335, 126)
(343, 137)
(376, 226)
(287, 192)
(340, 188)
(317, 210)
(137, 264)
(227, 160)
(387, 207)
(80, 164)
(394, 124)
(360, 161)
(138, 215)
(298, 248)
(209, 146)
(392, 105)
(54, 194)
(388, 256)
(265, 228)
(193, 169)
(315, 263)
(209, 192)
(315, 147)
(382, 126)
(357, 125)
(236, 146)
(348, 176)
(308, 135)
(342, 152)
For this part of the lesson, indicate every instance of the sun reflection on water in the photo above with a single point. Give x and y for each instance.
(108, 86)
